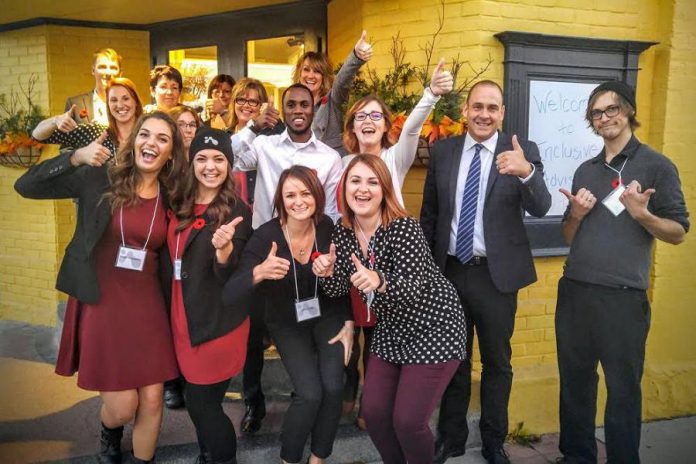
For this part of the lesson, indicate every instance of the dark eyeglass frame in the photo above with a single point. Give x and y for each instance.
(187, 125)
(373, 115)
(610, 111)
(241, 101)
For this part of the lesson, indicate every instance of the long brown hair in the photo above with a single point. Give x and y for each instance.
(310, 180)
(391, 209)
(319, 63)
(350, 140)
(184, 198)
(240, 88)
(124, 175)
(133, 91)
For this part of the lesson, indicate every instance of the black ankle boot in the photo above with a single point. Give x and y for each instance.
(110, 445)
(204, 458)
(135, 460)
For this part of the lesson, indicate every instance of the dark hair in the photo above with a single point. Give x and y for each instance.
(310, 180)
(297, 86)
(350, 140)
(217, 81)
(626, 108)
(486, 82)
(124, 175)
(184, 199)
(164, 70)
(319, 63)
(178, 110)
(240, 88)
(133, 91)
(110, 54)
(391, 209)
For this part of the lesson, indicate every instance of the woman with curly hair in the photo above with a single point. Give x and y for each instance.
(118, 340)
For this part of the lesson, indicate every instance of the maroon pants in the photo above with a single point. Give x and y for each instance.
(397, 403)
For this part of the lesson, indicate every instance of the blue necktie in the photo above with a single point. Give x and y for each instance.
(467, 213)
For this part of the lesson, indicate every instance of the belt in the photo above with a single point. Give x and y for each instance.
(475, 261)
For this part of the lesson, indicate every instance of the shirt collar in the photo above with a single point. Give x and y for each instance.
(488, 144)
(628, 151)
(285, 138)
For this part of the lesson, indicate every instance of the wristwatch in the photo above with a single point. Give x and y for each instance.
(252, 126)
(380, 274)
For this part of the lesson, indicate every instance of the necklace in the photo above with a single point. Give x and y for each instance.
(302, 249)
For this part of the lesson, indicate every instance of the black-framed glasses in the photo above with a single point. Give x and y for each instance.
(610, 111)
(187, 125)
(374, 115)
(245, 101)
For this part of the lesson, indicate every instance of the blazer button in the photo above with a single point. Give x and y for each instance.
(184, 275)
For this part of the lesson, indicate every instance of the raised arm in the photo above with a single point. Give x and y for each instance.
(62, 123)
(361, 53)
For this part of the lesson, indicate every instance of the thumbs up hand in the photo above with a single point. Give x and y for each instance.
(581, 203)
(65, 122)
(363, 279)
(363, 49)
(442, 81)
(94, 154)
(323, 265)
(273, 268)
(268, 116)
(222, 239)
(636, 200)
(513, 162)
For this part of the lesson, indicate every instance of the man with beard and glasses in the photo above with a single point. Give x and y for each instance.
(270, 155)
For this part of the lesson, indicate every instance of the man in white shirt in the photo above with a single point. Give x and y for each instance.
(91, 106)
(271, 154)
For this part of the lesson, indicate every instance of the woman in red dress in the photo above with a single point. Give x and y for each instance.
(117, 337)
(209, 227)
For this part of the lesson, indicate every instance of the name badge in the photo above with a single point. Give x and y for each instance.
(612, 201)
(307, 309)
(131, 258)
(370, 297)
(177, 269)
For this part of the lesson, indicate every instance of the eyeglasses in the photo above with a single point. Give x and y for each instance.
(375, 116)
(610, 111)
(187, 125)
(243, 101)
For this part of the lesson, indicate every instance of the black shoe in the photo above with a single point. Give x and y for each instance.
(135, 460)
(173, 397)
(204, 458)
(251, 423)
(445, 450)
(496, 456)
(110, 445)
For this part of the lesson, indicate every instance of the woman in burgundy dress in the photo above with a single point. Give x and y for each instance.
(118, 336)
(209, 227)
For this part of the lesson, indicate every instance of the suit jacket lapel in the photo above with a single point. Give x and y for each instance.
(503, 144)
(454, 171)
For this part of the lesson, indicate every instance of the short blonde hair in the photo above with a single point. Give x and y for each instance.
(319, 63)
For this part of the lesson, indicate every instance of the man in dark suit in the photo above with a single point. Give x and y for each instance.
(91, 106)
(476, 188)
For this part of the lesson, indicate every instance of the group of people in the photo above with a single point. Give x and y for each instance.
(172, 275)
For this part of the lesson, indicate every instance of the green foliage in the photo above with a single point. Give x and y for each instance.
(18, 112)
(522, 437)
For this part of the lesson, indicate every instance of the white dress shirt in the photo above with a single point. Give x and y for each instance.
(270, 155)
(487, 156)
(99, 109)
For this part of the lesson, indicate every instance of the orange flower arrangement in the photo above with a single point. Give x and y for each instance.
(12, 141)
(432, 131)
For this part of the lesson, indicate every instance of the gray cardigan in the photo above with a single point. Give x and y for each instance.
(328, 112)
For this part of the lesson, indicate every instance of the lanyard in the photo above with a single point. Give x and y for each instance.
(619, 171)
(152, 222)
(370, 250)
(294, 271)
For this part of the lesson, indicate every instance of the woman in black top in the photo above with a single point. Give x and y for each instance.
(313, 332)
(117, 336)
(419, 339)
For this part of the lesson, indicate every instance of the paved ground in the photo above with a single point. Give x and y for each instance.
(45, 417)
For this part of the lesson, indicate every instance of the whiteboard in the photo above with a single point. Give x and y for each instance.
(557, 125)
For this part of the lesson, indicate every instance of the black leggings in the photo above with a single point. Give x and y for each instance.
(214, 429)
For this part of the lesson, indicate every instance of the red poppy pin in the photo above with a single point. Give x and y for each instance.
(315, 255)
(325, 100)
(199, 223)
(84, 113)
(615, 182)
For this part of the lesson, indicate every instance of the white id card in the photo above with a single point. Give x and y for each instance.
(131, 258)
(307, 309)
(370, 297)
(177, 269)
(612, 201)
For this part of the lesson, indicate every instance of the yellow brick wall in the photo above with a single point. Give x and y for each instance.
(664, 94)
(34, 234)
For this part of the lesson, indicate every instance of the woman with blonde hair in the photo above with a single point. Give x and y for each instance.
(418, 341)
(117, 340)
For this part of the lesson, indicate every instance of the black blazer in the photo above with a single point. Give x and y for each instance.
(202, 279)
(507, 247)
(279, 295)
(56, 178)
